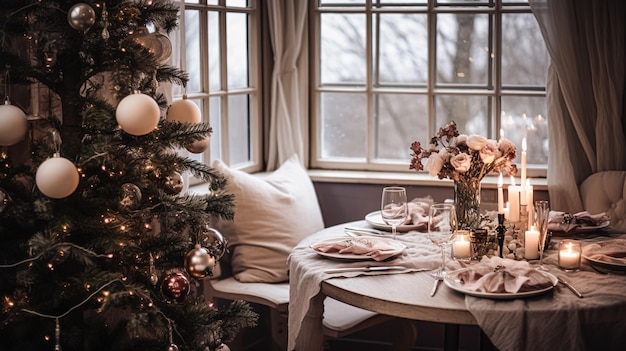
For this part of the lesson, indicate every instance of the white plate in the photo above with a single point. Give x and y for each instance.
(585, 229)
(453, 283)
(609, 265)
(349, 256)
(376, 220)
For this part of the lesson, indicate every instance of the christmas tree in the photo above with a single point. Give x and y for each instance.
(100, 249)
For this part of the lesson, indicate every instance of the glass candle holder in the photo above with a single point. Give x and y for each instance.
(569, 255)
(461, 245)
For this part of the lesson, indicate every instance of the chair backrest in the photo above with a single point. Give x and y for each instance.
(606, 192)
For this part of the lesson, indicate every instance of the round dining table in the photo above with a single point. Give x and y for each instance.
(556, 318)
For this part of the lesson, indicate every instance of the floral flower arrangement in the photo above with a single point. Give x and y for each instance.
(463, 157)
(466, 159)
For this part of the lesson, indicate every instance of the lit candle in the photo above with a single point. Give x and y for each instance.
(461, 247)
(523, 183)
(569, 258)
(531, 244)
(513, 193)
(530, 201)
(500, 195)
(505, 210)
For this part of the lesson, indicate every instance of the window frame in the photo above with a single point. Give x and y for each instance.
(496, 92)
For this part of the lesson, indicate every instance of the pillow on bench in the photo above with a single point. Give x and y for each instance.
(273, 213)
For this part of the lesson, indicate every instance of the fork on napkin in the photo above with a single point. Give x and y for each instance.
(378, 249)
(502, 275)
(565, 222)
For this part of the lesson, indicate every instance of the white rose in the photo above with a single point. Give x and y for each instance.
(434, 164)
(476, 142)
(489, 152)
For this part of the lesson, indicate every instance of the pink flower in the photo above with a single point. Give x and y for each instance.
(461, 162)
(435, 162)
(476, 142)
(489, 152)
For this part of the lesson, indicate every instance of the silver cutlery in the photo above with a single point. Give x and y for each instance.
(438, 278)
(570, 286)
(364, 269)
(365, 231)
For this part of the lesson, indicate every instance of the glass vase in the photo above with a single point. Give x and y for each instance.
(467, 202)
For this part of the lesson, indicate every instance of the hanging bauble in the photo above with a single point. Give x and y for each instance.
(185, 111)
(223, 347)
(4, 200)
(172, 347)
(13, 124)
(138, 114)
(130, 196)
(57, 177)
(174, 183)
(149, 41)
(199, 262)
(175, 286)
(213, 241)
(199, 146)
(166, 46)
(81, 17)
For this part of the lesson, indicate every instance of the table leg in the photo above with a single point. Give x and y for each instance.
(311, 336)
(451, 337)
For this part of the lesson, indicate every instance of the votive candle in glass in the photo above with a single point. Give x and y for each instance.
(569, 255)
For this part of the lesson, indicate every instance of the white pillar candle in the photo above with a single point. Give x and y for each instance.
(530, 201)
(514, 203)
(531, 244)
(500, 195)
(461, 247)
(505, 210)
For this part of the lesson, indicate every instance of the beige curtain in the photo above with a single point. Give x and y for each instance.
(289, 108)
(586, 41)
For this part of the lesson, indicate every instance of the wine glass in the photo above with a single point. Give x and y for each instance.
(442, 224)
(542, 211)
(393, 207)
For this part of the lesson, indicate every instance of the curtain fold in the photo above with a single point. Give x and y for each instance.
(289, 108)
(586, 41)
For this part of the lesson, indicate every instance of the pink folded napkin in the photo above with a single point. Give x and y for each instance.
(378, 249)
(418, 214)
(564, 222)
(502, 275)
(611, 251)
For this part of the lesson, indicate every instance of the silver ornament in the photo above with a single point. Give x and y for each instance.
(130, 195)
(81, 17)
(213, 241)
(199, 146)
(172, 347)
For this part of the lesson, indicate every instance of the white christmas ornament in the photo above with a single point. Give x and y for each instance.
(185, 111)
(57, 177)
(13, 124)
(138, 114)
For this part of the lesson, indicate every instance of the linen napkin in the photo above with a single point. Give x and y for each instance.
(610, 251)
(564, 222)
(378, 249)
(501, 275)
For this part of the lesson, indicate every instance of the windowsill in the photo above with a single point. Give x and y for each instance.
(403, 178)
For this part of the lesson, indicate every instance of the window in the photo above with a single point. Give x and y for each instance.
(218, 43)
(389, 72)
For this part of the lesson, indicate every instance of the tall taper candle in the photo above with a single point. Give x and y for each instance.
(500, 195)
(523, 198)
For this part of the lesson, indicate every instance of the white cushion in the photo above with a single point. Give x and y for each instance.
(606, 192)
(337, 315)
(272, 215)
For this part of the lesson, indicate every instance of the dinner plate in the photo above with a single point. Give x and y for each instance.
(451, 280)
(354, 257)
(616, 252)
(376, 220)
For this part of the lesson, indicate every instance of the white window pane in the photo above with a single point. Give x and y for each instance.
(343, 51)
(214, 51)
(192, 50)
(471, 113)
(215, 120)
(401, 119)
(237, 3)
(524, 53)
(239, 129)
(237, 49)
(342, 2)
(464, 2)
(402, 50)
(462, 48)
(344, 125)
(524, 116)
(381, 3)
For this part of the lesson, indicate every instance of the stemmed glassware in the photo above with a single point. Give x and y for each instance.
(442, 225)
(542, 211)
(393, 207)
